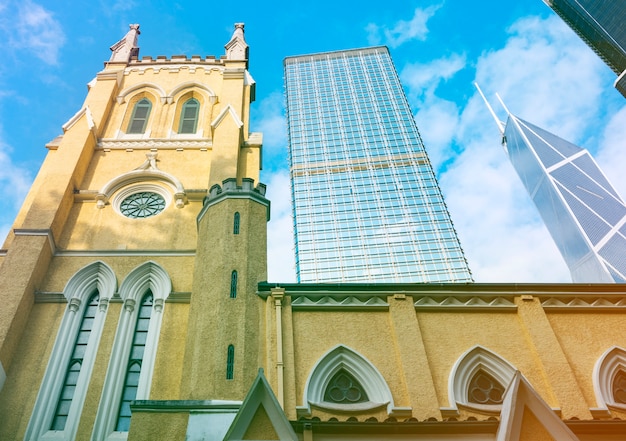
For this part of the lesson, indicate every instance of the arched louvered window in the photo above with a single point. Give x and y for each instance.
(230, 363)
(189, 116)
(76, 361)
(236, 222)
(233, 284)
(484, 389)
(343, 388)
(619, 387)
(131, 380)
(139, 118)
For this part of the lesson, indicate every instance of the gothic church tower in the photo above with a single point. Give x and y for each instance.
(131, 270)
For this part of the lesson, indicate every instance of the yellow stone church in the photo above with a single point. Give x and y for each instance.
(134, 301)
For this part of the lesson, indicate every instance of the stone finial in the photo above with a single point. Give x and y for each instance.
(237, 48)
(127, 47)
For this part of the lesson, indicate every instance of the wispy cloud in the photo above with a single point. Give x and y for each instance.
(14, 183)
(280, 251)
(403, 30)
(268, 118)
(549, 77)
(31, 27)
(436, 117)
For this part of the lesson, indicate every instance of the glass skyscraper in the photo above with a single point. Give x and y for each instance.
(582, 211)
(366, 204)
(601, 24)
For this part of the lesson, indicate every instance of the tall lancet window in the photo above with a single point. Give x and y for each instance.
(131, 380)
(230, 363)
(63, 389)
(131, 367)
(236, 222)
(233, 284)
(139, 118)
(189, 116)
(75, 364)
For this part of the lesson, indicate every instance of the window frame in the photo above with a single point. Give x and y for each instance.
(182, 119)
(134, 117)
(95, 277)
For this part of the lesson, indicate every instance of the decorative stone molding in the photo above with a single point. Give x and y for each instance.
(129, 305)
(121, 98)
(162, 144)
(584, 303)
(465, 303)
(476, 359)
(74, 304)
(336, 302)
(343, 358)
(227, 110)
(604, 372)
(146, 171)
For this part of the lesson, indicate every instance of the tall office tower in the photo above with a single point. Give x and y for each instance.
(366, 203)
(583, 212)
(601, 25)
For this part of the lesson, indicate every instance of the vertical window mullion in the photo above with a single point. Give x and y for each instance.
(75, 363)
(135, 359)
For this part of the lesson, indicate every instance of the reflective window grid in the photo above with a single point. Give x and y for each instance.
(367, 206)
(582, 211)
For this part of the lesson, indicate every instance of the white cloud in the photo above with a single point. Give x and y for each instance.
(403, 30)
(280, 248)
(268, 118)
(436, 117)
(547, 76)
(33, 28)
(14, 184)
(611, 156)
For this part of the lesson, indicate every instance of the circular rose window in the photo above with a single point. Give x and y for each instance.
(142, 205)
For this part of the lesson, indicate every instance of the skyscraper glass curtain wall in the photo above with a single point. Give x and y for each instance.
(367, 206)
(583, 212)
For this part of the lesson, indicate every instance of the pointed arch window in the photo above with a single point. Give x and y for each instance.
(233, 284)
(619, 387)
(63, 389)
(478, 380)
(230, 363)
(343, 388)
(139, 118)
(70, 382)
(129, 375)
(484, 389)
(344, 380)
(609, 379)
(131, 380)
(236, 222)
(189, 116)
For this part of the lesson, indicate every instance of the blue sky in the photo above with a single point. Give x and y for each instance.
(521, 50)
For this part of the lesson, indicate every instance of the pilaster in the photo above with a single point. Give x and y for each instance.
(413, 360)
(559, 375)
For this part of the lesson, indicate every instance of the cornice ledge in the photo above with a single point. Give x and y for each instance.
(587, 303)
(124, 144)
(372, 302)
(464, 303)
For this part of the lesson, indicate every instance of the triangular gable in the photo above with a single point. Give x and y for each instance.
(520, 402)
(260, 407)
(228, 110)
